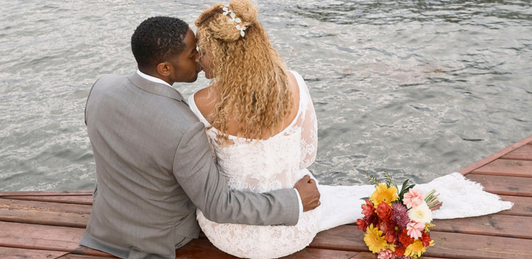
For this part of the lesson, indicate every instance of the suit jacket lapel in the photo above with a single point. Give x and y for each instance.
(155, 88)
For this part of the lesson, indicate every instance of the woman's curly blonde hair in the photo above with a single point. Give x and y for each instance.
(250, 77)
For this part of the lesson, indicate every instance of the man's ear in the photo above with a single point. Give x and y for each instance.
(164, 68)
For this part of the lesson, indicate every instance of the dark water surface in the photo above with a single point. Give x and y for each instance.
(418, 89)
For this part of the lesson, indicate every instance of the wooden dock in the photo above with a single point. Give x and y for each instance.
(50, 224)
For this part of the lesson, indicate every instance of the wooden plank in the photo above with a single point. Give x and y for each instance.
(503, 185)
(202, 248)
(521, 153)
(83, 250)
(517, 168)
(84, 200)
(490, 225)
(522, 206)
(495, 156)
(33, 212)
(312, 253)
(45, 206)
(31, 236)
(38, 216)
(17, 253)
(47, 193)
(347, 237)
(328, 254)
(453, 245)
(39, 237)
(74, 256)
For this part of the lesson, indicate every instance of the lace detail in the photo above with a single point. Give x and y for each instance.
(262, 166)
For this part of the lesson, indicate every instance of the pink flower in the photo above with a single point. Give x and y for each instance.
(414, 229)
(399, 215)
(386, 254)
(413, 198)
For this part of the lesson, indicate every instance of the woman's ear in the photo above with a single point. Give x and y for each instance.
(165, 69)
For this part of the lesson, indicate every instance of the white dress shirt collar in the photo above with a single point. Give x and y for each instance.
(153, 79)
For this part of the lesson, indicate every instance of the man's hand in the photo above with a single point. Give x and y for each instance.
(308, 191)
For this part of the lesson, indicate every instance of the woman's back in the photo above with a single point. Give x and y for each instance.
(260, 166)
(273, 162)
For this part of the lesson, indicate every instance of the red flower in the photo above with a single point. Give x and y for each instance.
(373, 219)
(399, 250)
(390, 236)
(383, 226)
(368, 209)
(405, 239)
(362, 224)
(425, 238)
(384, 211)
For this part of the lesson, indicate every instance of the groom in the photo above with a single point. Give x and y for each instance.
(154, 166)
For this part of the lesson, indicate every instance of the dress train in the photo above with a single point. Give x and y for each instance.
(461, 198)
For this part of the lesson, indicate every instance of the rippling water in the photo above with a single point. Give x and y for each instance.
(417, 89)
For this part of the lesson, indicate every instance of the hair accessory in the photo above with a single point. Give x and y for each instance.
(235, 19)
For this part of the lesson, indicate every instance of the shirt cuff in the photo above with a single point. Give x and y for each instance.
(300, 203)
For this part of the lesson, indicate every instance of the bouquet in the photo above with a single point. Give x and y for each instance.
(397, 223)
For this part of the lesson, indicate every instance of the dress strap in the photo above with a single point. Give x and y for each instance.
(304, 95)
(196, 111)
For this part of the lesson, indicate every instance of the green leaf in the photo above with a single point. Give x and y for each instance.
(389, 181)
(371, 178)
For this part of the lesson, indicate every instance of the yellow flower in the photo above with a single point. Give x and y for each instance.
(374, 239)
(383, 194)
(415, 249)
(427, 226)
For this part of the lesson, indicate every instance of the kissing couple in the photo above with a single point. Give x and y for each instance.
(231, 161)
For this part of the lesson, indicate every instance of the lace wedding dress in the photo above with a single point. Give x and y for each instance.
(280, 161)
(262, 166)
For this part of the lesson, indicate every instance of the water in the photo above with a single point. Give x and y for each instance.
(417, 89)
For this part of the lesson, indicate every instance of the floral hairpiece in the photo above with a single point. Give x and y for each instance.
(235, 19)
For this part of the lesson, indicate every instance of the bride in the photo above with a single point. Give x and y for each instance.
(262, 126)
(261, 123)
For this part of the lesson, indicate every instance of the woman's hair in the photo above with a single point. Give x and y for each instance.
(250, 79)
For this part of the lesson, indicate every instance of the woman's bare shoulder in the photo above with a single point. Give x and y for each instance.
(205, 101)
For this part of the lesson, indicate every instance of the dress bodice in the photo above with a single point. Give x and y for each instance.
(273, 163)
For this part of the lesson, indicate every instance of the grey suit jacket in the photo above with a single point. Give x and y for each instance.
(154, 166)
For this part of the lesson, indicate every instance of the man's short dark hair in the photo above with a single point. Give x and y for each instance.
(158, 38)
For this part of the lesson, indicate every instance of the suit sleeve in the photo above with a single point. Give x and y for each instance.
(87, 102)
(197, 174)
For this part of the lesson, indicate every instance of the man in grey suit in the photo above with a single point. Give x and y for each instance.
(154, 166)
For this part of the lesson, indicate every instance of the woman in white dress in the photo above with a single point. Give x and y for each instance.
(261, 123)
(262, 126)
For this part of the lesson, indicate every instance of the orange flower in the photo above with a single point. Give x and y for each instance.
(384, 211)
(415, 249)
(383, 193)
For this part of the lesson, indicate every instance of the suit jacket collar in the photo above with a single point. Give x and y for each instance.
(155, 88)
